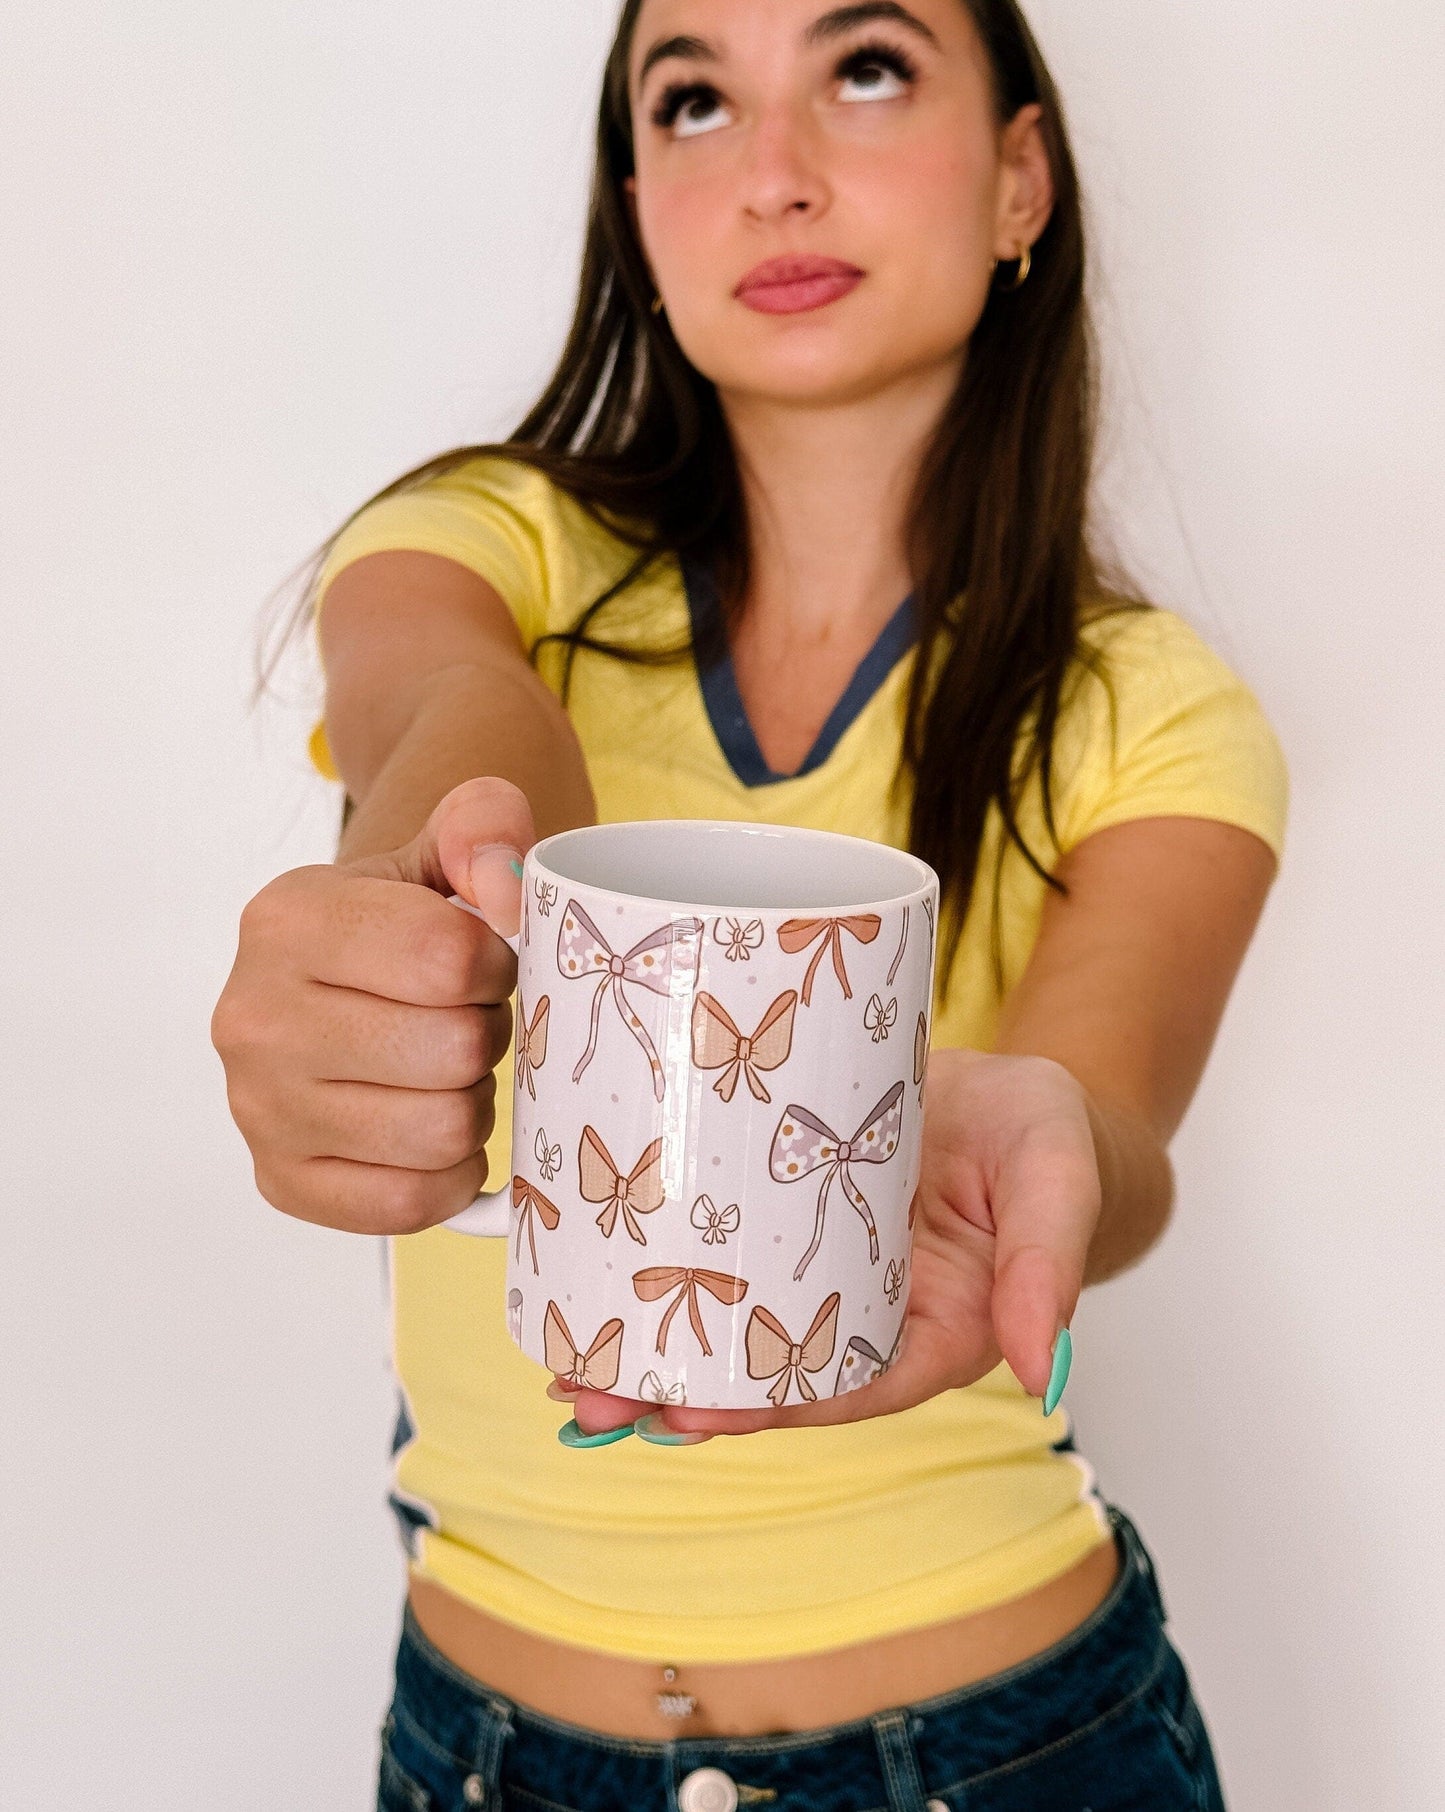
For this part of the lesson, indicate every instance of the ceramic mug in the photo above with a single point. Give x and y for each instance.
(721, 1039)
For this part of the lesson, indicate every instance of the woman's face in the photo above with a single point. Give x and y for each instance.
(821, 191)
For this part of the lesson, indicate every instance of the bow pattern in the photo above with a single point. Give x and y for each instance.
(714, 1223)
(532, 1042)
(803, 1143)
(797, 934)
(902, 946)
(773, 1353)
(655, 1282)
(653, 1390)
(597, 1368)
(533, 1206)
(717, 1044)
(639, 1192)
(740, 940)
(549, 1157)
(651, 963)
(880, 1019)
(862, 1362)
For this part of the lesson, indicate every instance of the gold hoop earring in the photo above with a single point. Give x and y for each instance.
(657, 305)
(1026, 263)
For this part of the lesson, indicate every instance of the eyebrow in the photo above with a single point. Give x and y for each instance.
(834, 24)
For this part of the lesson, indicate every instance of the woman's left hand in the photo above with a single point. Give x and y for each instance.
(1008, 1199)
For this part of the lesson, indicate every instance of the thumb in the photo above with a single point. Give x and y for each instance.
(472, 845)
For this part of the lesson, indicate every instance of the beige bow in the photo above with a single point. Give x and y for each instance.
(773, 1353)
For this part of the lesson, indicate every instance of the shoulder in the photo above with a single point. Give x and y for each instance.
(1156, 720)
(503, 518)
(1139, 667)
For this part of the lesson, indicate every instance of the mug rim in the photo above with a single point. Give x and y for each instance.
(927, 875)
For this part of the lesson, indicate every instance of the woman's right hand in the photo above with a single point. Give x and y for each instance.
(365, 1014)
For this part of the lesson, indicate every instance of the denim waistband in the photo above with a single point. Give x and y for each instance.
(1114, 1654)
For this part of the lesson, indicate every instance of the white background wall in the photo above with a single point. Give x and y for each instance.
(259, 259)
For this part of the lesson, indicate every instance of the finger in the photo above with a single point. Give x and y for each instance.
(929, 1361)
(401, 942)
(468, 846)
(355, 1037)
(485, 810)
(598, 1410)
(404, 1128)
(371, 1198)
(1046, 1201)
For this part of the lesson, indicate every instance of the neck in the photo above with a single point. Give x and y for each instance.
(827, 492)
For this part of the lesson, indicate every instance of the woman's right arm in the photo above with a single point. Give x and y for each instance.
(364, 1015)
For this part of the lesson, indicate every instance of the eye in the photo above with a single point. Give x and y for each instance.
(876, 73)
(686, 107)
(691, 111)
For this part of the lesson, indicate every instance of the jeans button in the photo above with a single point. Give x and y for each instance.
(707, 1790)
(474, 1790)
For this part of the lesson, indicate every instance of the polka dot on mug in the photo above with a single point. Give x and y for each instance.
(717, 1160)
(777, 1239)
(752, 981)
(614, 1097)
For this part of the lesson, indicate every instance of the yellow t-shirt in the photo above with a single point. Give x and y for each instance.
(790, 1540)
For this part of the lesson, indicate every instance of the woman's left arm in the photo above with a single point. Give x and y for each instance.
(1045, 1161)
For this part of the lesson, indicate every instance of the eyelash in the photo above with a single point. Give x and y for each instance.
(866, 56)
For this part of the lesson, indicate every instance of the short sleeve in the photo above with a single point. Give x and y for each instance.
(1184, 736)
(501, 519)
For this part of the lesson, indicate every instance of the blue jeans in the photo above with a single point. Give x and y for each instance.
(1104, 1721)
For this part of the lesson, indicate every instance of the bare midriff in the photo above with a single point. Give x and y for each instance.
(619, 1697)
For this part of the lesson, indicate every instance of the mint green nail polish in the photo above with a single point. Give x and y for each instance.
(570, 1435)
(516, 867)
(1063, 1359)
(651, 1429)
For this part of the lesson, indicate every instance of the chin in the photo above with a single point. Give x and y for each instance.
(821, 378)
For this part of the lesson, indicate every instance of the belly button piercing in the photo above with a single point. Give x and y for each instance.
(674, 1704)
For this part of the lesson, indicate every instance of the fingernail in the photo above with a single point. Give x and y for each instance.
(495, 871)
(1063, 1359)
(559, 1393)
(570, 1435)
(652, 1428)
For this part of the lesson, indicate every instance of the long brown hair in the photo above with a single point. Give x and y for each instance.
(637, 436)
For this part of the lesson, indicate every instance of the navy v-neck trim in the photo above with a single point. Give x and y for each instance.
(724, 703)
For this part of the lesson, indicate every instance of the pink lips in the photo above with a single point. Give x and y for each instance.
(788, 286)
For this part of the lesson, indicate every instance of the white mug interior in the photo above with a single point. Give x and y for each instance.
(720, 865)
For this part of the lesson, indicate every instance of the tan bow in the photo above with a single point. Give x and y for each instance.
(659, 1279)
(532, 1042)
(773, 1353)
(718, 1044)
(597, 1368)
(797, 934)
(641, 1191)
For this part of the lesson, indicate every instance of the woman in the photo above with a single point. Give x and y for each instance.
(830, 353)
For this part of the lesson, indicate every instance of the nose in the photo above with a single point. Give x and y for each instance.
(784, 177)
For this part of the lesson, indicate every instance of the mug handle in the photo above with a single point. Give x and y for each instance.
(486, 1216)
